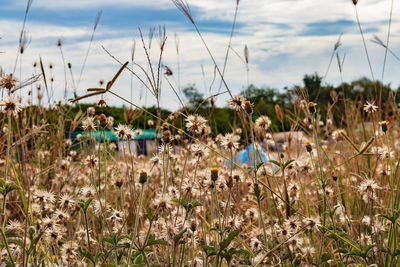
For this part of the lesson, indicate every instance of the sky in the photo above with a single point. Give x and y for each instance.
(285, 38)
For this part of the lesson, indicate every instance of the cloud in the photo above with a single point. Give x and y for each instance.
(284, 43)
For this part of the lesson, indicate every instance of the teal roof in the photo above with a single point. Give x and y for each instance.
(110, 136)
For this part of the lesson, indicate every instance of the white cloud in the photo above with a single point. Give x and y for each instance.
(279, 56)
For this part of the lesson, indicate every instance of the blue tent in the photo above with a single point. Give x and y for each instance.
(246, 156)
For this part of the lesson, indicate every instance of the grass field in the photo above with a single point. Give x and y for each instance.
(329, 198)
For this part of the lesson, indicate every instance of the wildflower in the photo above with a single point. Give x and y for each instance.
(120, 131)
(11, 106)
(43, 197)
(102, 118)
(61, 217)
(110, 122)
(53, 235)
(195, 123)
(311, 223)
(150, 123)
(91, 110)
(116, 216)
(367, 190)
(308, 251)
(251, 214)
(14, 225)
(166, 135)
(69, 251)
(370, 107)
(262, 123)
(102, 102)
(128, 133)
(230, 141)
(199, 151)
(66, 201)
(8, 81)
(237, 103)
(292, 223)
(118, 181)
(91, 161)
(295, 242)
(88, 124)
(337, 135)
(255, 244)
(162, 202)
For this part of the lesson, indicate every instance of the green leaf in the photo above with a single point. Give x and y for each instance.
(259, 165)
(225, 243)
(153, 241)
(149, 214)
(87, 255)
(181, 201)
(139, 259)
(325, 257)
(275, 162)
(287, 163)
(179, 236)
(85, 204)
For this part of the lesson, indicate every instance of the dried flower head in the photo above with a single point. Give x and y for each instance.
(195, 123)
(88, 124)
(8, 81)
(237, 103)
(370, 107)
(11, 106)
(102, 102)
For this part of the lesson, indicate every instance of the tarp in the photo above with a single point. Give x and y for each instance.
(245, 156)
(111, 137)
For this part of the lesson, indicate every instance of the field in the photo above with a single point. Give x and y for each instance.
(328, 195)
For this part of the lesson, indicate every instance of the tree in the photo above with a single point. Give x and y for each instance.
(193, 96)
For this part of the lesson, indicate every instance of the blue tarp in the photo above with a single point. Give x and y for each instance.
(246, 156)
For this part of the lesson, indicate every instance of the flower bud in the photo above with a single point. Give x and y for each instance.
(308, 146)
(214, 174)
(142, 176)
(384, 125)
(248, 107)
(312, 107)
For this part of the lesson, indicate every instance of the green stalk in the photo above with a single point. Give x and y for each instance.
(136, 224)
(6, 245)
(87, 230)
(256, 187)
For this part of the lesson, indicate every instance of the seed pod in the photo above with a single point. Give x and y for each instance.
(166, 137)
(102, 120)
(278, 112)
